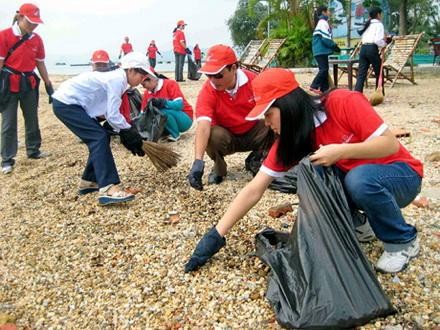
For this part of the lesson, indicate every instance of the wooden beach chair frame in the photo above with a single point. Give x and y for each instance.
(251, 52)
(399, 53)
(265, 54)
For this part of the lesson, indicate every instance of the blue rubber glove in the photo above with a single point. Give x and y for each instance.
(196, 173)
(209, 245)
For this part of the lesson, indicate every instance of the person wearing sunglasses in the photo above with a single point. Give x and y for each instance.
(81, 102)
(168, 97)
(223, 102)
(339, 129)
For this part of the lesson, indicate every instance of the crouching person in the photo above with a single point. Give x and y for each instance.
(168, 97)
(79, 103)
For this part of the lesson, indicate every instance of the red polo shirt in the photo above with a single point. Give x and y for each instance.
(349, 118)
(178, 36)
(126, 48)
(197, 53)
(170, 90)
(24, 58)
(152, 50)
(226, 110)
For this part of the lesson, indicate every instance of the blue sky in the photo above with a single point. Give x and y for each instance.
(74, 28)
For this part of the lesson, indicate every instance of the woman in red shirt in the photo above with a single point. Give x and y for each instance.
(151, 53)
(197, 55)
(378, 174)
(21, 84)
(168, 97)
(180, 49)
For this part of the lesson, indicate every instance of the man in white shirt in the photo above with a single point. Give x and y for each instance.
(81, 102)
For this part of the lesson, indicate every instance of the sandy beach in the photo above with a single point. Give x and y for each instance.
(67, 263)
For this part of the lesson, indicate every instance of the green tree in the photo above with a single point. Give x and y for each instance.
(243, 26)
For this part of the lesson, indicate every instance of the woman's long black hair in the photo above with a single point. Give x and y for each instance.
(373, 13)
(297, 137)
(318, 13)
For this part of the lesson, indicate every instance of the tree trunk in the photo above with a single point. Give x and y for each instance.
(349, 23)
(403, 22)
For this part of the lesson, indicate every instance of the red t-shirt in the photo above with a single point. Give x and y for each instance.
(24, 58)
(197, 53)
(126, 48)
(349, 119)
(225, 110)
(178, 36)
(170, 90)
(152, 50)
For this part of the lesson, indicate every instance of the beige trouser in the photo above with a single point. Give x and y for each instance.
(222, 142)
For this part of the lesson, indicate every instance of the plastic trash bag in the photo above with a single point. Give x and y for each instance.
(150, 123)
(286, 184)
(320, 277)
(193, 69)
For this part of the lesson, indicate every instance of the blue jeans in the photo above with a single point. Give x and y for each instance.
(180, 62)
(177, 122)
(381, 191)
(100, 167)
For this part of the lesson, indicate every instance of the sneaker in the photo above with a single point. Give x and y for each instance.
(119, 196)
(173, 139)
(39, 155)
(87, 187)
(394, 262)
(213, 178)
(7, 169)
(365, 233)
(315, 91)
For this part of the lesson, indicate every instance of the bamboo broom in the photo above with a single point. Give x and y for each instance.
(162, 157)
(377, 97)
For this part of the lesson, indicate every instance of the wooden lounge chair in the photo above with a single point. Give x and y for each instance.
(251, 52)
(400, 52)
(266, 53)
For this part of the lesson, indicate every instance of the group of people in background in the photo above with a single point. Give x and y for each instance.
(236, 111)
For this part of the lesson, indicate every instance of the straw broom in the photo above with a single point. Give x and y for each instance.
(162, 157)
(377, 97)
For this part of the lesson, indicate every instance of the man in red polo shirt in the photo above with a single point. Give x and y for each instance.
(17, 71)
(180, 49)
(126, 47)
(222, 106)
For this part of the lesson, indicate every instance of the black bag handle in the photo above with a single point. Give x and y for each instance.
(16, 45)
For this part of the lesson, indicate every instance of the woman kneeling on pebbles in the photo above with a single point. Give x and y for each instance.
(378, 174)
(81, 102)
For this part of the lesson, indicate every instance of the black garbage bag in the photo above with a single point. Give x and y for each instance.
(193, 69)
(150, 123)
(320, 277)
(286, 184)
(135, 99)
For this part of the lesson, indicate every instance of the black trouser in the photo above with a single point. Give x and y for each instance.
(321, 80)
(152, 62)
(369, 54)
(199, 63)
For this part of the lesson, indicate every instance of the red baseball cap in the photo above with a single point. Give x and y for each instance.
(100, 56)
(268, 86)
(181, 22)
(31, 12)
(217, 58)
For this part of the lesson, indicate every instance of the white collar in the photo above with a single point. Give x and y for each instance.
(159, 86)
(241, 79)
(319, 118)
(17, 32)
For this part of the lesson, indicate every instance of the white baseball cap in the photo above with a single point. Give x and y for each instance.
(136, 60)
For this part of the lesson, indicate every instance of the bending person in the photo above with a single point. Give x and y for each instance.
(169, 98)
(81, 102)
(378, 174)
